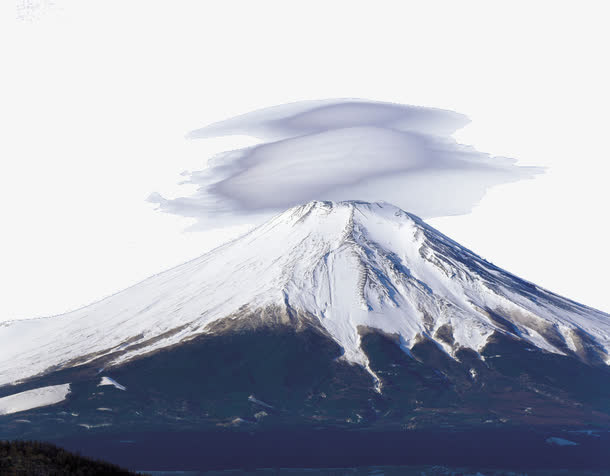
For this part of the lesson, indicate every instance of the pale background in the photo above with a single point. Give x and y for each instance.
(97, 97)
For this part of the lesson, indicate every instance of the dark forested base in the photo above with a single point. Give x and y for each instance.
(281, 395)
(34, 458)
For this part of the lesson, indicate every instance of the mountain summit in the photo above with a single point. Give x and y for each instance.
(345, 267)
(330, 314)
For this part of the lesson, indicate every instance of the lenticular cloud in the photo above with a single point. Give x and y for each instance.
(341, 150)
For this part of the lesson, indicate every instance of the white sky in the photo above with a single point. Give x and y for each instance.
(96, 97)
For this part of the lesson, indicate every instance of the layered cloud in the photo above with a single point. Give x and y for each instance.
(341, 150)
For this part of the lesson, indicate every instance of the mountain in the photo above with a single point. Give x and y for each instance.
(330, 315)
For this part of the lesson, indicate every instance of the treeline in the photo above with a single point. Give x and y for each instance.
(34, 458)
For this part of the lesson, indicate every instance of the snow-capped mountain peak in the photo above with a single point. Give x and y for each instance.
(345, 267)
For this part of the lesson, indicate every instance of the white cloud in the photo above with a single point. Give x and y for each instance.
(341, 150)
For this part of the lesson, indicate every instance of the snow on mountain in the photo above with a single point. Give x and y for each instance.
(38, 397)
(346, 266)
(112, 382)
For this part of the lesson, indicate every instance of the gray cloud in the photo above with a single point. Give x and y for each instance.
(341, 150)
(311, 117)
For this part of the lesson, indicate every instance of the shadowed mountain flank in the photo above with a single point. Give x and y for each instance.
(330, 316)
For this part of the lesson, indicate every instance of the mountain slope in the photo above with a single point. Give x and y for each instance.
(334, 333)
(343, 267)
